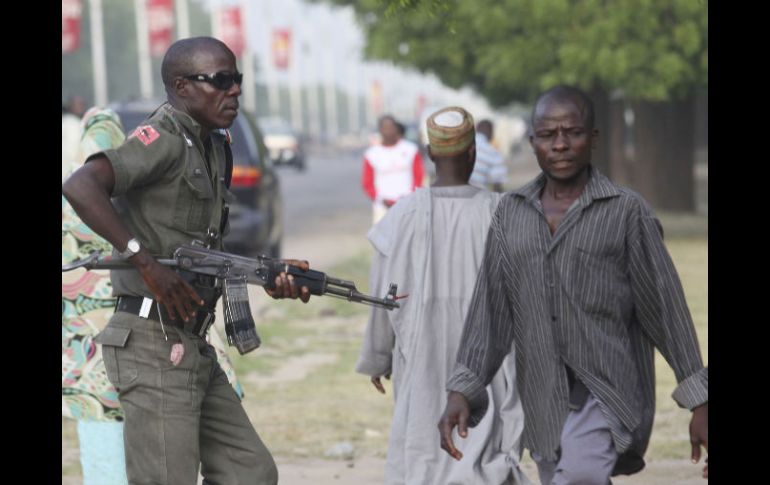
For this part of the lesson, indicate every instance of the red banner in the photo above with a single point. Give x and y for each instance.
(422, 101)
(70, 25)
(160, 24)
(281, 48)
(231, 29)
(376, 97)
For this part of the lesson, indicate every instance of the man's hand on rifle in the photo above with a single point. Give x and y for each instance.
(169, 289)
(284, 284)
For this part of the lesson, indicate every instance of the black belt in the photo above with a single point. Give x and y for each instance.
(203, 317)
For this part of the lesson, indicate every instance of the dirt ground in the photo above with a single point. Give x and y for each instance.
(369, 471)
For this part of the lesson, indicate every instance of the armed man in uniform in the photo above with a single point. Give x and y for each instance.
(169, 185)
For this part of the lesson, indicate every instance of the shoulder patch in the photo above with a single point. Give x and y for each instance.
(146, 134)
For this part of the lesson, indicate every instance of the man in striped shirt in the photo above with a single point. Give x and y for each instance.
(576, 276)
(490, 170)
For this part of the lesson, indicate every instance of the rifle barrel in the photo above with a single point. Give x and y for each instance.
(355, 296)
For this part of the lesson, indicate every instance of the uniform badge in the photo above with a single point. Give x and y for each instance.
(146, 134)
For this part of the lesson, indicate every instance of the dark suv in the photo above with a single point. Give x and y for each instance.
(256, 217)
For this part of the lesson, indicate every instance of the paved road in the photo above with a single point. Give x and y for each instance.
(327, 196)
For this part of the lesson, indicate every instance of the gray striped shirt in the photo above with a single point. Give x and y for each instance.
(597, 296)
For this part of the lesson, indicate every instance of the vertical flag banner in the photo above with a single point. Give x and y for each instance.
(231, 29)
(376, 97)
(160, 23)
(281, 48)
(71, 11)
(422, 101)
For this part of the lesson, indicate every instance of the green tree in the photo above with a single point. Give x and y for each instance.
(650, 55)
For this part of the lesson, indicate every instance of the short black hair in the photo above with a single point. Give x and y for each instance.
(572, 93)
(390, 118)
(484, 126)
(180, 57)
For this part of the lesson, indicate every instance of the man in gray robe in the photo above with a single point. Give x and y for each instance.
(432, 243)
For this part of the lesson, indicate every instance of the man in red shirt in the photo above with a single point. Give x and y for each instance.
(392, 169)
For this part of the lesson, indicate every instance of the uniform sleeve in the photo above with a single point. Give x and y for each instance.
(367, 180)
(418, 171)
(662, 310)
(143, 157)
(488, 331)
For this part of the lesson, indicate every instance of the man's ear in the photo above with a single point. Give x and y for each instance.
(181, 86)
(594, 138)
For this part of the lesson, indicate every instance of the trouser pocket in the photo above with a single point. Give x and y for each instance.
(119, 361)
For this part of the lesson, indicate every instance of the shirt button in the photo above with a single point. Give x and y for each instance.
(553, 318)
(550, 283)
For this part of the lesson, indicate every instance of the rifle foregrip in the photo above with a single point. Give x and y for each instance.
(314, 280)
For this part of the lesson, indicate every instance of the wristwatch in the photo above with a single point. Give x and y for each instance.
(132, 248)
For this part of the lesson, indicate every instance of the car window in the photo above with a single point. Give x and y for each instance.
(131, 119)
(243, 146)
(258, 142)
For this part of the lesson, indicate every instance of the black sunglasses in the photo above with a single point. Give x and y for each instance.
(221, 80)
